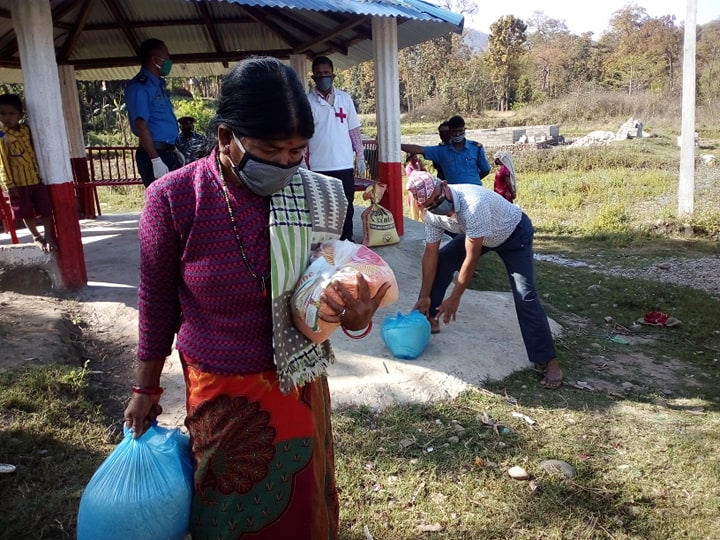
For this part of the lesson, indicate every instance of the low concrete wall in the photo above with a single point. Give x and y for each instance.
(29, 256)
(496, 137)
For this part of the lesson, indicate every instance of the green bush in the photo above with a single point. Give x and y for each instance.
(202, 110)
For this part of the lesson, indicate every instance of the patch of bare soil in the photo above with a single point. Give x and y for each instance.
(39, 327)
(617, 370)
(35, 327)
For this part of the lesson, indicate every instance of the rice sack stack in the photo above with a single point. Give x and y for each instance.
(336, 260)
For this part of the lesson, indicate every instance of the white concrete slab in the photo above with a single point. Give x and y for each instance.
(483, 344)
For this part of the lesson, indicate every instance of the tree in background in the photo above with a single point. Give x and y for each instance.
(504, 55)
(708, 60)
(359, 82)
(643, 52)
(557, 59)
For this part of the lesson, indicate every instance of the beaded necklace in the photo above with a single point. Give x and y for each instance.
(261, 279)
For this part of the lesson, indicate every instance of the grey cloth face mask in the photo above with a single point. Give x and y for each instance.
(263, 177)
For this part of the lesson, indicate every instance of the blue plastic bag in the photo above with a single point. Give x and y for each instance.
(407, 336)
(143, 489)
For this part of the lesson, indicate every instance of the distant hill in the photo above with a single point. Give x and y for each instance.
(475, 39)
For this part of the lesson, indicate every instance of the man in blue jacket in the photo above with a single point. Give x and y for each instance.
(462, 161)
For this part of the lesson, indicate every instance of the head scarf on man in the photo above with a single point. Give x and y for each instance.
(421, 185)
(506, 160)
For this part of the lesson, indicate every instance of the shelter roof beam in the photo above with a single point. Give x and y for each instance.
(74, 34)
(261, 17)
(204, 11)
(122, 22)
(233, 56)
(327, 37)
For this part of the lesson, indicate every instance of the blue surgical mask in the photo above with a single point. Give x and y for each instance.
(323, 83)
(260, 176)
(443, 206)
(458, 138)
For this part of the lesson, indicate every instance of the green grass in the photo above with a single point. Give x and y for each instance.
(55, 430)
(638, 469)
(120, 199)
(643, 443)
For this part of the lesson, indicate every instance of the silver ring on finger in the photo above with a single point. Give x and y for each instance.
(342, 313)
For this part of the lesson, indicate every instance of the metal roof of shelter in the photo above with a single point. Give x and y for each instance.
(100, 38)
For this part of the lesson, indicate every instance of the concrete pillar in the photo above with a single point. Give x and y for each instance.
(686, 187)
(300, 64)
(33, 25)
(387, 104)
(76, 141)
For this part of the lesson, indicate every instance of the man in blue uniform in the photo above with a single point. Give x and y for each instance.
(189, 142)
(462, 161)
(151, 115)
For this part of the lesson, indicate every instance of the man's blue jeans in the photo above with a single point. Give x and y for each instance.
(517, 255)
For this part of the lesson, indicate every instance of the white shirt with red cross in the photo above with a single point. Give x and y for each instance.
(331, 149)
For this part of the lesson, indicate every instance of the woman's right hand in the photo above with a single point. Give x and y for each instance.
(142, 411)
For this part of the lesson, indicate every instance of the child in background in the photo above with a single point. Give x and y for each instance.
(413, 163)
(505, 177)
(19, 172)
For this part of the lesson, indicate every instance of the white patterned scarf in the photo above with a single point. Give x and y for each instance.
(310, 210)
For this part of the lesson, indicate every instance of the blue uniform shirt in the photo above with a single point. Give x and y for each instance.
(189, 146)
(147, 98)
(462, 166)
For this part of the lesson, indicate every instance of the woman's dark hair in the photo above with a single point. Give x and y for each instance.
(262, 98)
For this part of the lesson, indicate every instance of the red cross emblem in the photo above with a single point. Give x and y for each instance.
(341, 115)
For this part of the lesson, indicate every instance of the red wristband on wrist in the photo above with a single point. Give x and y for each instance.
(358, 336)
(146, 390)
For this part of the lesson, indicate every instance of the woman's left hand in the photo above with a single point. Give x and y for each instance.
(353, 313)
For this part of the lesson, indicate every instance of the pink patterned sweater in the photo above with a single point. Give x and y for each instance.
(193, 280)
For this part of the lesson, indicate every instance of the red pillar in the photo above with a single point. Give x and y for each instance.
(391, 175)
(70, 255)
(86, 193)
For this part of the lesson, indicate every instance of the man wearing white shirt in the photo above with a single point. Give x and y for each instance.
(337, 142)
(482, 221)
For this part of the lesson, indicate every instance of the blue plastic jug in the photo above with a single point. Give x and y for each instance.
(407, 336)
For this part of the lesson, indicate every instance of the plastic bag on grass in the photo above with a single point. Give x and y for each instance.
(407, 336)
(336, 260)
(142, 490)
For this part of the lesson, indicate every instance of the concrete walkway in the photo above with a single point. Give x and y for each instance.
(483, 344)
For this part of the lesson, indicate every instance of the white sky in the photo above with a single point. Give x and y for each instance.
(583, 16)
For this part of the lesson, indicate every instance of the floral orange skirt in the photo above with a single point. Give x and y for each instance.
(264, 464)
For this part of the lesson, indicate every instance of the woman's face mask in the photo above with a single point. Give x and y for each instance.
(260, 176)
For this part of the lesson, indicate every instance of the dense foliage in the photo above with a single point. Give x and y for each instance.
(539, 59)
